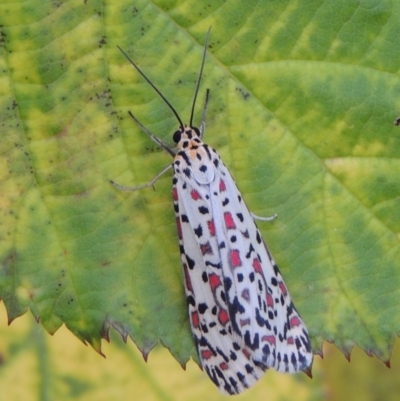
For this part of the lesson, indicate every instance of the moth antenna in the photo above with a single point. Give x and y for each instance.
(154, 87)
(200, 75)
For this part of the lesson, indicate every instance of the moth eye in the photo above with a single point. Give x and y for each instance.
(177, 136)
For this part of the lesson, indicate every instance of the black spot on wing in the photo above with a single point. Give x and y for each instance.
(207, 149)
(198, 231)
(252, 344)
(190, 262)
(203, 210)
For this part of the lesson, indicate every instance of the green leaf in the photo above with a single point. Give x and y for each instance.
(303, 99)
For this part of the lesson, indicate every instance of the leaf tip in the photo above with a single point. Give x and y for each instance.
(98, 349)
(319, 352)
(145, 355)
(121, 329)
(369, 353)
(105, 332)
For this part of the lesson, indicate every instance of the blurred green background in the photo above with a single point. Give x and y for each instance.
(36, 366)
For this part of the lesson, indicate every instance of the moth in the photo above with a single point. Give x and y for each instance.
(241, 315)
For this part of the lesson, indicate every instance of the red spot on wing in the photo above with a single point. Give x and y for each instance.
(282, 286)
(235, 258)
(206, 249)
(257, 266)
(223, 366)
(174, 194)
(229, 223)
(187, 278)
(195, 319)
(223, 317)
(295, 321)
(222, 186)
(246, 353)
(195, 195)
(290, 341)
(270, 301)
(246, 294)
(269, 339)
(211, 227)
(214, 281)
(179, 227)
(206, 354)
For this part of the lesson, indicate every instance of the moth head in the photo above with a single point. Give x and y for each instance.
(186, 133)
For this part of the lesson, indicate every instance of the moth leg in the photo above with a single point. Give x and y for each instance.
(203, 116)
(261, 218)
(149, 184)
(153, 137)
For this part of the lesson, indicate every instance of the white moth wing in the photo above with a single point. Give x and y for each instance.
(220, 348)
(261, 308)
(242, 316)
